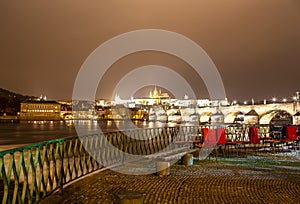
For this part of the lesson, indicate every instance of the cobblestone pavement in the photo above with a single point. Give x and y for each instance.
(205, 182)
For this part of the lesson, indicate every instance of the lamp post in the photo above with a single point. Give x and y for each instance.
(295, 101)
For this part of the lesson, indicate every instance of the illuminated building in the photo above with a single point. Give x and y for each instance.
(158, 96)
(40, 110)
(66, 110)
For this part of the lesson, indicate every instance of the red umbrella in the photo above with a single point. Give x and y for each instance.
(291, 133)
(253, 135)
(221, 136)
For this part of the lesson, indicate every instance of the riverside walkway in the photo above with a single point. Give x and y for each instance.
(242, 181)
(75, 166)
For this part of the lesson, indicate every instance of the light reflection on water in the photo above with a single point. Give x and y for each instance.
(39, 131)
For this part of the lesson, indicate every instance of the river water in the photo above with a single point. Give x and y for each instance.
(29, 132)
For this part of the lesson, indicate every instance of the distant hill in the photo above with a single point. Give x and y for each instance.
(10, 102)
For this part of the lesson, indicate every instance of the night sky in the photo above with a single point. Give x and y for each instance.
(254, 44)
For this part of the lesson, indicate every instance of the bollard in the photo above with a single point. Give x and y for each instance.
(163, 168)
(196, 153)
(187, 160)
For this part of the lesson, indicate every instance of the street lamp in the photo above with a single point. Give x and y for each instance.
(284, 100)
(274, 99)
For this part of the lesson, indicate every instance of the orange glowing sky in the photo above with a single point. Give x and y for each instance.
(255, 44)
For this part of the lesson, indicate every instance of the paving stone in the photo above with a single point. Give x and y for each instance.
(211, 182)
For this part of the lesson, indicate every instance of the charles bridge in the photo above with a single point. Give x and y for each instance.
(265, 112)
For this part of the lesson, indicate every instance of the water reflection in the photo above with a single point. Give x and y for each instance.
(28, 132)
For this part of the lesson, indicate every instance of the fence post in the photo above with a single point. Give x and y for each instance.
(62, 167)
(3, 176)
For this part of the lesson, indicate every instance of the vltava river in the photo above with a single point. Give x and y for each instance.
(29, 132)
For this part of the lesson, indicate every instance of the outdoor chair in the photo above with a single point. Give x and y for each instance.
(204, 132)
(253, 139)
(233, 142)
(274, 141)
(291, 136)
(212, 138)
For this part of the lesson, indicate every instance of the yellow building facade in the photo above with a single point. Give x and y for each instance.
(40, 110)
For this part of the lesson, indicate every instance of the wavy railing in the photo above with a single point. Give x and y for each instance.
(29, 173)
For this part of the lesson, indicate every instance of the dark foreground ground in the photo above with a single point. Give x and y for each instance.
(247, 181)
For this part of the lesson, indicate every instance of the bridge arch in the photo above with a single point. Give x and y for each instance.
(234, 117)
(279, 117)
(205, 117)
(251, 117)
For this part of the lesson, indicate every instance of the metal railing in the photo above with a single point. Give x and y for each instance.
(29, 173)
